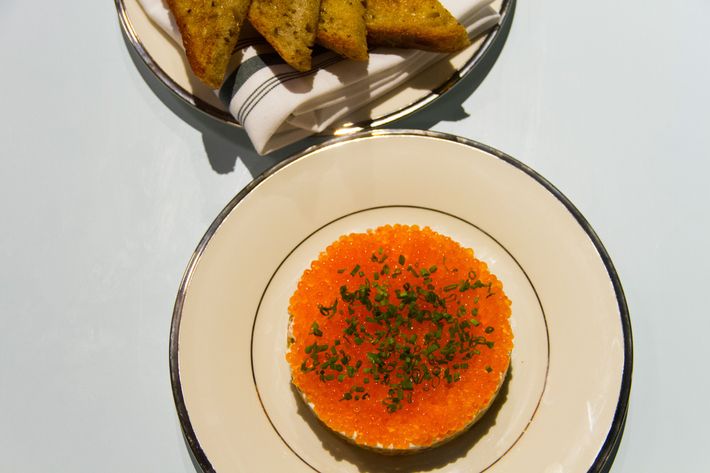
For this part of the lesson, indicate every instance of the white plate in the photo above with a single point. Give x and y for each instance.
(562, 409)
(169, 63)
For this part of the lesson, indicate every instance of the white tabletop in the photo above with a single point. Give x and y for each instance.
(108, 182)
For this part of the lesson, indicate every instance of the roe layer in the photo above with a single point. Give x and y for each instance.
(432, 409)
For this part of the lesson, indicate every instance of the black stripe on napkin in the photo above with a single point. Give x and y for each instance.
(249, 67)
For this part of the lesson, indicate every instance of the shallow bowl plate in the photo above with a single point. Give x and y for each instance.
(563, 405)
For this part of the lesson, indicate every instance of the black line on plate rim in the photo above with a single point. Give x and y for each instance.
(419, 207)
(608, 450)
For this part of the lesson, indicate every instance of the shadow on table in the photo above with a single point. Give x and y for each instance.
(225, 143)
(449, 107)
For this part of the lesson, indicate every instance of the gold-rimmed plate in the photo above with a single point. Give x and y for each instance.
(564, 404)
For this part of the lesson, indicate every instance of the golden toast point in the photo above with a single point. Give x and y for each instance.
(210, 30)
(416, 24)
(289, 26)
(341, 28)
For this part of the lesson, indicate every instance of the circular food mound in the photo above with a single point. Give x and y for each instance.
(399, 338)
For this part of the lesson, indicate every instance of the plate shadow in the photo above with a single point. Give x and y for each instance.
(449, 106)
(224, 143)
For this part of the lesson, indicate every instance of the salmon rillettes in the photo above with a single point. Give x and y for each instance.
(399, 339)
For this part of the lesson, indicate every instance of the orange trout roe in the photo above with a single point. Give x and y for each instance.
(399, 337)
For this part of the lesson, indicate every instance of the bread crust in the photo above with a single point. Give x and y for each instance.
(210, 30)
(417, 24)
(341, 28)
(289, 26)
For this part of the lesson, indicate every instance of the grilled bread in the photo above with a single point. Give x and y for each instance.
(417, 24)
(289, 26)
(209, 30)
(341, 28)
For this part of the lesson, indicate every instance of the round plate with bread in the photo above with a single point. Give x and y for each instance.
(170, 65)
(561, 401)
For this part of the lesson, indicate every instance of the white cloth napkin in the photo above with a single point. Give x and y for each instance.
(278, 106)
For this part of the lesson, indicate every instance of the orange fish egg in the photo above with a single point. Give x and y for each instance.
(399, 338)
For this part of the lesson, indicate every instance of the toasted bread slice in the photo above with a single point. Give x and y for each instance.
(341, 28)
(209, 30)
(418, 24)
(289, 26)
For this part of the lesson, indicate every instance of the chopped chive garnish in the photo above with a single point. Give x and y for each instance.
(377, 316)
(315, 330)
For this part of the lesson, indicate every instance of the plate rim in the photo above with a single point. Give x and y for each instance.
(507, 11)
(607, 452)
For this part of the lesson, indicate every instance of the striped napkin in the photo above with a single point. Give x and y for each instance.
(278, 105)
